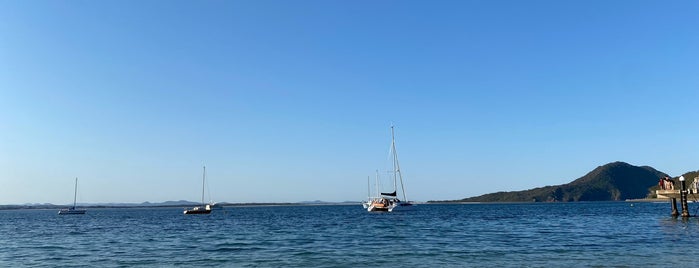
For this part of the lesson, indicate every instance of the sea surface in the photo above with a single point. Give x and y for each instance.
(595, 234)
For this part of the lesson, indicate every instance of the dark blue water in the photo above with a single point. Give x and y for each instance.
(616, 234)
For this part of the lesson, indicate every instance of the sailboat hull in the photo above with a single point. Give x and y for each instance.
(71, 211)
(377, 209)
(378, 205)
(192, 211)
(199, 210)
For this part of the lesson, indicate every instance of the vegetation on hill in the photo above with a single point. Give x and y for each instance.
(611, 182)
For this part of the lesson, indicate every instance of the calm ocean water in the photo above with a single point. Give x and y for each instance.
(615, 234)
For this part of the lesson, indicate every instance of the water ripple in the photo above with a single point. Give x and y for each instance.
(477, 235)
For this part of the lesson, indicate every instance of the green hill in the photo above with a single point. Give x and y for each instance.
(611, 182)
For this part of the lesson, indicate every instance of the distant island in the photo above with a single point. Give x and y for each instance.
(611, 182)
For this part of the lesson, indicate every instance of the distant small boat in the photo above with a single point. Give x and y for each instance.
(72, 210)
(204, 208)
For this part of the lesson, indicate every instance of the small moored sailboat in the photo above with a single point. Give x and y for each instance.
(72, 210)
(204, 208)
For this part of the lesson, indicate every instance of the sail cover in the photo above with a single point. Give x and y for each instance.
(389, 194)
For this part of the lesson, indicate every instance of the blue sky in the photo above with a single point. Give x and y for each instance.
(290, 101)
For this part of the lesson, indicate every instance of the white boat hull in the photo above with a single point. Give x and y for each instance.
(71, 211)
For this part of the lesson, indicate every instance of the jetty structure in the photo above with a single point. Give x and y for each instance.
(682, 194)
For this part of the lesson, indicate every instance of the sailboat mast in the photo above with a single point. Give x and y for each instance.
(378, 191)
(75, 193)
(400, 176)
(396, 166)
(368, 187)
(393, 149)
(203, 182)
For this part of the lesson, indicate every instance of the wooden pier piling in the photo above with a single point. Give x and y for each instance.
(673, 203)
(672, 195)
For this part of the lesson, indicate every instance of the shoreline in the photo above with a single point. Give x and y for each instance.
(648, 200)
(96, 206)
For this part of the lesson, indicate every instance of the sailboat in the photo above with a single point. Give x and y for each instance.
(389, 201)
(204, 208)
(367, 203)
(72, 210)
(395, 203)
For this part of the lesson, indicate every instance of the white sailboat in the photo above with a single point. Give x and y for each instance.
(72, 210)
(367, 203)
(389, 201)
(204, 208)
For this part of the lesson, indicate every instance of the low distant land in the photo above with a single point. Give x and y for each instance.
(166, 204)
(615, 181)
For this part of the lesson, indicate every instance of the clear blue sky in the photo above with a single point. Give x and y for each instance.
(289, 101)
